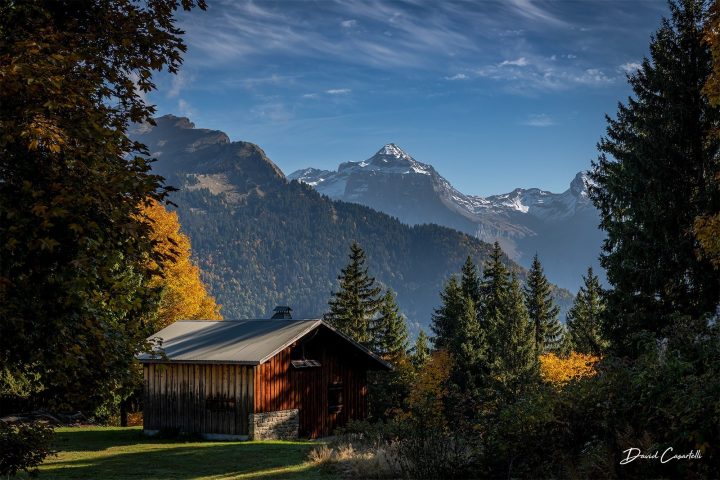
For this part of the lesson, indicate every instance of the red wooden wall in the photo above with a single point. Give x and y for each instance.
(280, 386)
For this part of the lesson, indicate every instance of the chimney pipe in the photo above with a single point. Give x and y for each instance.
(281, 313)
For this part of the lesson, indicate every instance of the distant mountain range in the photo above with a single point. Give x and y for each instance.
(263, 241)
(562, 228)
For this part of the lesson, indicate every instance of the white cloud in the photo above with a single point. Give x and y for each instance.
(186, 109)
(457, 76)
(538, 120)
(348, 23)
(178, 82)
(520, 62)
(629, 67)
(310, 95)
(338, 91)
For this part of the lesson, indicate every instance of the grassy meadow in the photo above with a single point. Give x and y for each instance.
(114, 453)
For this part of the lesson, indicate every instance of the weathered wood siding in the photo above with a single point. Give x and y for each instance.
(279, 386)
(198, 398)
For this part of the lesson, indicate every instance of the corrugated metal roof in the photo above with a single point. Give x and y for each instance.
(248, 342)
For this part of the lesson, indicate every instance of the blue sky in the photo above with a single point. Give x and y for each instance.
(495, 95)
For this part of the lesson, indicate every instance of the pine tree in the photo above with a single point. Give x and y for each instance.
(420, 352)
(585, 317)
(541, 310)
(354, 306)
(444, 322)
(469, 281)
(654, 177)
(390, 334)
(514, 358)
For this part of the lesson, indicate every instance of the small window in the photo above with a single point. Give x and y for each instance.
(335, 398)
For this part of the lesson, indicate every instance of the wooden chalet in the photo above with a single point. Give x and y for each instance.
(277, 378)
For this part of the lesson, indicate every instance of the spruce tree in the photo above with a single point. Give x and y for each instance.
(515, 362)
(468, 350)
(494, 289)
(390, 341)
(390, 334)
(653, 178)
(469, 281)
(354, 306)
(585, 317)
(420, 352)
(445, 319)
(541, 309)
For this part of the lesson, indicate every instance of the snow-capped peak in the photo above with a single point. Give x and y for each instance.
(392, 150)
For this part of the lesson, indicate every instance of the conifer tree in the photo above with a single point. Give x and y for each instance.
(468, 350)
(445, 319)
(390, 334)
(541, 309)
(654, 177)
(585, 317)
(354, 306)
(494, 288)
(515, 362)
(469, 281)
(420, 352)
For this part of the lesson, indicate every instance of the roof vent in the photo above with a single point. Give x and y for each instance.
(282, 313)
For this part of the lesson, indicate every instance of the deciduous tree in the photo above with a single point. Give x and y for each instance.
(75, 299)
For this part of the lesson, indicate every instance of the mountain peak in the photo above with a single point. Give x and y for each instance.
(392, 150)
(579, 185)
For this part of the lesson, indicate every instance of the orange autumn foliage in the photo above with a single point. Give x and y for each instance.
(559, 371)
(184, 297)
(429, 390)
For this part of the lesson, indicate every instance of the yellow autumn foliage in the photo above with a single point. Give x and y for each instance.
(185, 297)
(559, 371)
(427, 396)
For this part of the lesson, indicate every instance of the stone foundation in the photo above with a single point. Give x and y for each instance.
(282, 424)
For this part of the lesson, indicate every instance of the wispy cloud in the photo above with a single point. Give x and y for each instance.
(544, 74)
(538, 120)
(457, 76)
(348, 23)
(629, 67)
(520, 62)
(338, 91)
(186, 109)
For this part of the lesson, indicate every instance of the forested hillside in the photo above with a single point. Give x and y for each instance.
(262, 241)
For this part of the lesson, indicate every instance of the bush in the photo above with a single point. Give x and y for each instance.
(24, 446)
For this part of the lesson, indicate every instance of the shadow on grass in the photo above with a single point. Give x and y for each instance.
(127, 454)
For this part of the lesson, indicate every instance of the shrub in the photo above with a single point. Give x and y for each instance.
(24, 446)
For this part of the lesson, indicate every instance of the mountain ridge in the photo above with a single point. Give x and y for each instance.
(261, 240)
(523, 220)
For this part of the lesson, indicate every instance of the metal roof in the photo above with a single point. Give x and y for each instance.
(247, 342)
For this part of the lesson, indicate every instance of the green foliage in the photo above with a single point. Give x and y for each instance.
(388, 390)
(445, 319)
(354, 305)
(654, 177)
(420, 352)
(585, 317)
(74, 296)
(512, 353)
(469, 352)
(541, 309)
(469, 281)
(24, 446)
(389, 331)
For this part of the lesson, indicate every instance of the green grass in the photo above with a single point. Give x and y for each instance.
(113, 453)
